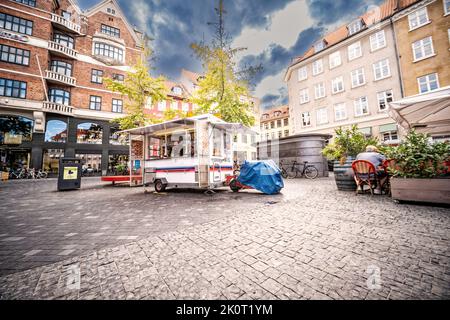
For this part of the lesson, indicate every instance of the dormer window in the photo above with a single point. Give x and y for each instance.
(177, 90)
(110, 31)
(319, 45)
(354, 27)
(277, 113)
(265, 116)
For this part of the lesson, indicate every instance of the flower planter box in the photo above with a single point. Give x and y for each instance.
(421, 190)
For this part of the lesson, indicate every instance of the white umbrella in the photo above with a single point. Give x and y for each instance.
(428, 113)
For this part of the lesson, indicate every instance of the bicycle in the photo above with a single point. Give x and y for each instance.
(309, 171)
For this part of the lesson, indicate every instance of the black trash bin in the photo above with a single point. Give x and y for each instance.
(69, 176)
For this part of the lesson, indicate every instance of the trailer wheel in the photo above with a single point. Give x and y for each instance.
(159, 186)
(234, 186)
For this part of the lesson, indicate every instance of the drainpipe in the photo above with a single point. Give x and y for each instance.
(42, 78)
(399, 69)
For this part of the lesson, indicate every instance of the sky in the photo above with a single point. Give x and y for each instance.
(272, 31)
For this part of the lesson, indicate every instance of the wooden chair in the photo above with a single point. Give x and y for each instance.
(365, 174)
(388, 164)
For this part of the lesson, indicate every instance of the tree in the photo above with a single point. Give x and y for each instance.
(224, 90)
(138, 86)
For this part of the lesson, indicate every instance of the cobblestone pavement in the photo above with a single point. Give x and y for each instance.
(313, 242)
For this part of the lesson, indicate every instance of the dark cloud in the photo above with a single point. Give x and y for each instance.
(331, 11)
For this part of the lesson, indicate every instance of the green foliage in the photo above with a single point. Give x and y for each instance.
(416, 157)
(224, 90)
(138, 86)
(347, 143)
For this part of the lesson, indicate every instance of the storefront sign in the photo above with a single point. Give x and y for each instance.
(70, 173)
(11, 138)
(13, 36)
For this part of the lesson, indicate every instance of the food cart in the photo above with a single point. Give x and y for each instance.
(195, 152)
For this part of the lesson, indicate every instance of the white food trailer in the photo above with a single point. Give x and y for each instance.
(195, 152)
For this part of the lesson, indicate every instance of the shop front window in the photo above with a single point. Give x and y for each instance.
(56, 131)
(90, 133)
(118, 164)
(50, 160)
(15, 129)
(91, 164)
(118, 139)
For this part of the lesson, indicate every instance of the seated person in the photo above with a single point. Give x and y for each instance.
(373, 156)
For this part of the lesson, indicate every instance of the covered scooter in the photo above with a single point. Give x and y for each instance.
(264, 176)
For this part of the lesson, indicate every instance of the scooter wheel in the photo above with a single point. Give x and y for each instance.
(234, 185)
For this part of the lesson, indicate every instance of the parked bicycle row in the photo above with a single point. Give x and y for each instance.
(28, 173)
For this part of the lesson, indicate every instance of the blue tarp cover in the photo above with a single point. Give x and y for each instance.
(264, 176)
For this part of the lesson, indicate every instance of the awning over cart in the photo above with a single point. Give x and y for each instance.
(428, 113)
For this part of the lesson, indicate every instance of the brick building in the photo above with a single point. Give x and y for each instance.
(53, 101)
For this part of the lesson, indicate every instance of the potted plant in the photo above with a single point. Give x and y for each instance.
(421, 171)
(343, 150)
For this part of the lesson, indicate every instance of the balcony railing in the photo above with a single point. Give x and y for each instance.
(49, 106)
(68, 25)
(61, 78)
(63, 50)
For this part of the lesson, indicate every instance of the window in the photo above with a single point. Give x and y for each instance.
(61, 67)
(162, 106)
(59, 96)
(56, 131)
(95, 103)
(118, 77)
(111, 11)
(337, 84)
(428, 83)
(14, 55)
(306, 119)
(280, 134)
(318, 46)
(50, 159)
(185, 106)
(319, 90)
(266, 125)
(358, 78)
(302, 73)
(340, 111)
(354, 51)
(13, 88)
(66, 15)
(377, 40)
(335, 59)
(304, 96)
(390, 136)
(272, 124)
(110, 31)
(117, 105)
(286, 121)
(16, 24)
(322, 116)
(106, 50)
(361, 107)
(27, 2)
(64, 40)
(15, 129)
(244, 138)
(90, 133)
(317, 67)
(381, 69)
(354, 27)
(418, 18)
(279, 123)
(383, 99)
(174, 105)
(177, 90)
(97, 76)
(423, 49)
(447, 7)
(286, 133)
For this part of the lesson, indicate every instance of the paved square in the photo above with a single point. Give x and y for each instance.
(311, 242)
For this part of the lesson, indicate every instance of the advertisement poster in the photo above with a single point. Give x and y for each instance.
(70, 173)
